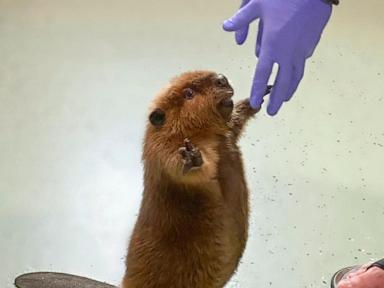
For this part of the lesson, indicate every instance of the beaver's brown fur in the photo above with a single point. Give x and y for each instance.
(192, 227)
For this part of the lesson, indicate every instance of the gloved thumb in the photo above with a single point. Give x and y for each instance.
(243, 17)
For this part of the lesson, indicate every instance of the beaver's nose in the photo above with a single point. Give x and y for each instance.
(222, 81)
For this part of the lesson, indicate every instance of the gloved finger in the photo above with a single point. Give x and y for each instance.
(280, 89)
(242, 34)
(244, 3)
(297, 76)
(243, 17)
(260, 81)
(259, 38)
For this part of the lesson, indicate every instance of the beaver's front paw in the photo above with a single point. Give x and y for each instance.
(334, 2)
(191, 156)
(244, 107)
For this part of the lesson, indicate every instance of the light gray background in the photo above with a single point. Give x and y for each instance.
(76, 78)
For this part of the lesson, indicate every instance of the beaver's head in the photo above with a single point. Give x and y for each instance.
(193, 101)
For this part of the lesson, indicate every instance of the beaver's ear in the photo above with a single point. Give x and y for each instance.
(157, 117)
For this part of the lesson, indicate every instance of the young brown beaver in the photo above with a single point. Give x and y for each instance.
(192, 227)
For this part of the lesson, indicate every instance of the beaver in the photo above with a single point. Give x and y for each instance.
(192, 227)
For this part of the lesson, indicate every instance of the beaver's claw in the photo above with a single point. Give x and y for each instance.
(191, 156)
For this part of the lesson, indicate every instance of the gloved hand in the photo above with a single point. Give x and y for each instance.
(289, 31)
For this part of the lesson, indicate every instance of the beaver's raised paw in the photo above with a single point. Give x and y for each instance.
(191, 156)
(244, 106)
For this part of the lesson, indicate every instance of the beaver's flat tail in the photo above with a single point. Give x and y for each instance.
(57, 280)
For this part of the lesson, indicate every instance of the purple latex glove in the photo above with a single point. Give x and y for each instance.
(289, 31)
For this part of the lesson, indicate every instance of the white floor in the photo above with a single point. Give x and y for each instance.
(76, 78)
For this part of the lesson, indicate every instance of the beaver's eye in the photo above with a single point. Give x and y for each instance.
(188, 93)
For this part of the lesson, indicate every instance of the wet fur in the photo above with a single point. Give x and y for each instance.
(192, 228)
